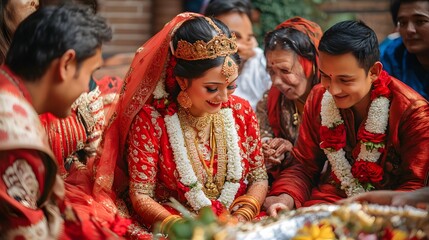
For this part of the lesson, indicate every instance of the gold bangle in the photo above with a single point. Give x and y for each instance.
(248, 214)
(255, 203)
(236, 202)
(165, 224)
(247, 200)
(168, 227)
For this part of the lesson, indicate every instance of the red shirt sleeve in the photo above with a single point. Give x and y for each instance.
(21, 186)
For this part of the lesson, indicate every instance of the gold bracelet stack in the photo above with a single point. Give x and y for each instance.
(249, 207)
(168, 222)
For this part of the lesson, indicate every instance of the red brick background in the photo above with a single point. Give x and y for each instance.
(134, 21)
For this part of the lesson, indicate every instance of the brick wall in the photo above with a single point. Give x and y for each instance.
(374, 13)
(134, 21)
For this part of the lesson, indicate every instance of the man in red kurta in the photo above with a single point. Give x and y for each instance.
(361, 128)
(52, 56)
(27, 167)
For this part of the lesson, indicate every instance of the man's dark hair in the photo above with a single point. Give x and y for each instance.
(49, 32)
(394, 8)
(219, 7)
(352, 37)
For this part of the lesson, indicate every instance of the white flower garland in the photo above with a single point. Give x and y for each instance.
(378, 116)
(159, 91)
(196, 197)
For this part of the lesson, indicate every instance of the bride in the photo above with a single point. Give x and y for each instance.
(181, 132)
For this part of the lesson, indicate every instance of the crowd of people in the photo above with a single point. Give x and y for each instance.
(206, 117)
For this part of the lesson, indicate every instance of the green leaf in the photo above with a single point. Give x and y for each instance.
(206, 216)
(368, 187)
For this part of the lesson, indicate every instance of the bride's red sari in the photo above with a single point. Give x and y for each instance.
(147, 70)
(109, 168)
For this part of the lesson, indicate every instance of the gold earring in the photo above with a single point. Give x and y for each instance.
(184, 100)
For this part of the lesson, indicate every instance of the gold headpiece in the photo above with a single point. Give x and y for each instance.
(219, 46)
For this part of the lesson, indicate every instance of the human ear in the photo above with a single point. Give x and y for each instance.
(375, 71)
(183, 82)
(68, 64)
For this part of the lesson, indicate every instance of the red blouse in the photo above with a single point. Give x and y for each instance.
(151, 164)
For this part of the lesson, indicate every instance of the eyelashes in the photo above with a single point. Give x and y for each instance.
(232, 87)
(229, 88)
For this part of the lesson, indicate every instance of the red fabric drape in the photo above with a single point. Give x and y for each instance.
(146, 70)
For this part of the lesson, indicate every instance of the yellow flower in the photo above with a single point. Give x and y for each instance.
(399, 235)
(315, 232)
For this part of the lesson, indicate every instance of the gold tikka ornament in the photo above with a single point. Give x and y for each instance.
(229, 68)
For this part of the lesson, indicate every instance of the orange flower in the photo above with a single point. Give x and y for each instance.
(323, 231)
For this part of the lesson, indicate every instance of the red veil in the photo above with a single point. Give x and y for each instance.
(146, 70)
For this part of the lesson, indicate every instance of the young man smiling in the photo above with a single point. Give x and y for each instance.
(361, 128)
(407, 57)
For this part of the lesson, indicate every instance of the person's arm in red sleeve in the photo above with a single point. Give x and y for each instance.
(66, 135)
(23, 191)
(413, 136)
(308, 159)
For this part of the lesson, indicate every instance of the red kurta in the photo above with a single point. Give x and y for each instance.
(35, 203)
(405, 161)
(30, 189)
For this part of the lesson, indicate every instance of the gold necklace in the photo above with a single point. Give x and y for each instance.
(199, 123)
(211, 189)
(295, 116)
(212, 183)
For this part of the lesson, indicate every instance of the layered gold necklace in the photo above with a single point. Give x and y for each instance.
(195, 131)
(212, 192)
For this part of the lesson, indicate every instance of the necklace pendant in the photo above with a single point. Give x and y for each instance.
(295, 119)
(211, 190)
